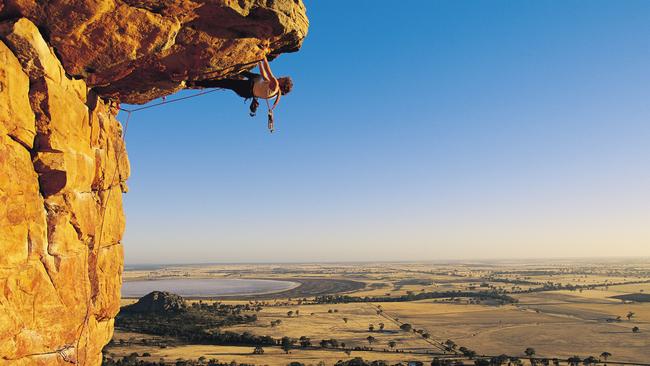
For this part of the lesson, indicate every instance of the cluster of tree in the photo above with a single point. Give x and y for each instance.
(576, 360)
(226, 309)
(198, 323)
(358, 361)
(482, 295)
(178, 323)
(275, 323)
(133, 360)
(330, 343)
(550, 286)
(195, 330)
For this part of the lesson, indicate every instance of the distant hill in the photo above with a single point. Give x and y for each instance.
(166, 314)
(159, 302)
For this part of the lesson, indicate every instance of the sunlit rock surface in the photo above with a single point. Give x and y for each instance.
(64, 66)
(138, 50)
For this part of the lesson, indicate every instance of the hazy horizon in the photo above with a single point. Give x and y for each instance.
(495, 260)
(461, 130)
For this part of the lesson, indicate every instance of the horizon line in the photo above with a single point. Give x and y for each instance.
(433, 261)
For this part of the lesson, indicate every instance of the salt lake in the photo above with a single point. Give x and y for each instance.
(197, 287)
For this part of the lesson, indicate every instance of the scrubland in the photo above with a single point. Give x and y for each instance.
(560, 310)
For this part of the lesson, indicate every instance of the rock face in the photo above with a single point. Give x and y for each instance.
(138, 50)
(157, 302)
(64, 68)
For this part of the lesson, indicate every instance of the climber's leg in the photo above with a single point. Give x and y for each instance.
(253, 107)
(243, 88)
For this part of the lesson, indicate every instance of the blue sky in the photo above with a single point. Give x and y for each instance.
(417, 130)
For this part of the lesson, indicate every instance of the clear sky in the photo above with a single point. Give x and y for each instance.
(417, 130)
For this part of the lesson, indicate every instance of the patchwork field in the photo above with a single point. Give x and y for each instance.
(559, 311)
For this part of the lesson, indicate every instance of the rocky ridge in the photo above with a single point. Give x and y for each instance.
(157, 302)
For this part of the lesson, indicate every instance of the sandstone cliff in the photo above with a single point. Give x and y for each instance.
(64, 66)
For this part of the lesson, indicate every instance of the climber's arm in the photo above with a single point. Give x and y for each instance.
(260, 66)
(273, 82)
(267, 68)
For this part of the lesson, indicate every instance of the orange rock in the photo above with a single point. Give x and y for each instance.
(16, 116)
(56, 269)
(137, 51)
(63, 163)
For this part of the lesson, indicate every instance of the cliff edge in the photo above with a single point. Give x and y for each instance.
(64, 66)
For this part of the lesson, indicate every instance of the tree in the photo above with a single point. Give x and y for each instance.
(371, 327)
(406, 327)
(629, 315)
(371, 339)
(530, 352)
(574, 361)
(329, 343)
(467, 352)
(450, 345)
(289, 313)
(499, 360)
(345, 320)
(286, 344)
(392, 344)
(381, 327)
(636, 330)
(324, 343)
(297, 312)
(258, 350)
(304, 342)
(605, 355)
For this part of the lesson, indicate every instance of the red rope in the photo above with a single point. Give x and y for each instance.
(169, 101)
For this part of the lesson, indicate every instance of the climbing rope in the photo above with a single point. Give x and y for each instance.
(270, 116)
(165, 101)
(64, 353)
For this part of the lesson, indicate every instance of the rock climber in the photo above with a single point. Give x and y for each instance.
(263, 85)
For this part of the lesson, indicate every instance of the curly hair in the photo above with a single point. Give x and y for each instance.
(286, 84)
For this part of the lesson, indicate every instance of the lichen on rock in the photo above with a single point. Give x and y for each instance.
(64, 68)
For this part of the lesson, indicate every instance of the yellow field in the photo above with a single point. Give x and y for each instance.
(272, 356)
(325, 325)
(555, 323)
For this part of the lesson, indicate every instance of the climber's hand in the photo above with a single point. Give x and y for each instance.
(266, 47)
